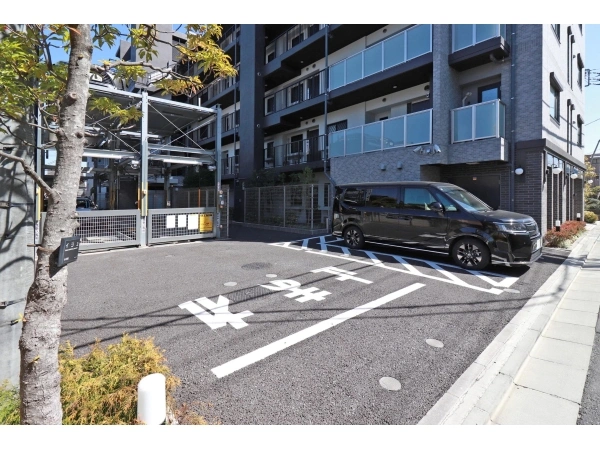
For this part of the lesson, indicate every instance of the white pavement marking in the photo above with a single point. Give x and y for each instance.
(410, 269)
(270, 349)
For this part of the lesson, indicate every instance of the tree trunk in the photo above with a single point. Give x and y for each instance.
(40, 338)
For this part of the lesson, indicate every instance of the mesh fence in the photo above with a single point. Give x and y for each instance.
(190, 223)
(297, 206)
(106, 229)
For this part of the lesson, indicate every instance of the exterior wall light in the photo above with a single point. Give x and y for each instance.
(574, 176)
(519, 171)
(556, 170)
(590, 181)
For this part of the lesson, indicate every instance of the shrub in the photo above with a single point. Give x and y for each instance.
(9, 404)
(590, 217)
(593, 205)
(569, 231)
(100, 388)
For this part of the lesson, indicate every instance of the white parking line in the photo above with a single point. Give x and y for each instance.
(270, 349)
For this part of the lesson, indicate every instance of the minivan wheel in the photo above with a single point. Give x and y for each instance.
(470, 253)
(354, 237)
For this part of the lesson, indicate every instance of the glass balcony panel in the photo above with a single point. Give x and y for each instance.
(373, 62)
(463, 36)
(354, 68)
(485, 120)
(280, 100)
(279, 155)
(502, 119)
(336, 144)
(418, 128)
(393, 51)
(483, 32)
(372, 137)
(336, 75)
(393, 132)
(418, 41)
(353, 141)
(463, 124)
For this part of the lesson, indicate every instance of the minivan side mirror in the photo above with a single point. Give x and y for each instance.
(436, 206)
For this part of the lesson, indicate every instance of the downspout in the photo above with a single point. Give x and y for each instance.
(511, 178)
(326, 139)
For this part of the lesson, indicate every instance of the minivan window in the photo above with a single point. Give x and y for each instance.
(417, 198)
(382, 197)
(465, 199)
(355, 197)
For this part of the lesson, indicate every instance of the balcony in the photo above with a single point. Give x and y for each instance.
(220, 91)
(480, 121)
(229, 37)
(230, 166)
(228, 123)
(290, 51)
(285, 108)
(399, 62)
(403, 131)
(477, 44)
(310, 150)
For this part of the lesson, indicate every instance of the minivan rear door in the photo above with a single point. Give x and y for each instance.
(379, 217)
(418, 224)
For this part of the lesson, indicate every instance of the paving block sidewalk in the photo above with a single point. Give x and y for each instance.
(534, 371)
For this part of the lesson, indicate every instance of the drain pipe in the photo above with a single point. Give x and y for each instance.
(511, 178)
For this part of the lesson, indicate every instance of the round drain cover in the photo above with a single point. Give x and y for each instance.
(434, 343)
(271, 275)
(230, 283)
(389, 383)
(512, 291)
(256, 266)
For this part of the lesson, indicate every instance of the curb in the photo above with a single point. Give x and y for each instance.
(481, 390)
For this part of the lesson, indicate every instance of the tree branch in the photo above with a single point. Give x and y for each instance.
(32, 173)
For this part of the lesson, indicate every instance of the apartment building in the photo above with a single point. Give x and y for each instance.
(497, 109)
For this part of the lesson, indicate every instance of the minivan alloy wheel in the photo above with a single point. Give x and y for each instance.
(471, 253)
(354, 237)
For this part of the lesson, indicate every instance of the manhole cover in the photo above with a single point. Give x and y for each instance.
(389, 383)
(512, 291)
(271, 275)
(256, 266)
(434, 343)
(230, 283)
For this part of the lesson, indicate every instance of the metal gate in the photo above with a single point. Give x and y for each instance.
(180, 224)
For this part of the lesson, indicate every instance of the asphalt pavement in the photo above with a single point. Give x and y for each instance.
(273, 327)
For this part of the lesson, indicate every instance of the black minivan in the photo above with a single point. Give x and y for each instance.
(438, 217)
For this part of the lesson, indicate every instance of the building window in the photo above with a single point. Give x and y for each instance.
(556, 28)
(569, 57)
(581, 28)
(488, 93)
(554, 101)
(296, 144)
(337, 126)
(579, 71)
(270, 152)
(270, 104)
(579, 131)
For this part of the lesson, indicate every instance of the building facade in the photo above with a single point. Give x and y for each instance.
(496, 109)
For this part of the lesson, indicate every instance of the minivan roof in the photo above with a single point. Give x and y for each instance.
(396, 183)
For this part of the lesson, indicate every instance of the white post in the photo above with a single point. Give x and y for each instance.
(152, 399)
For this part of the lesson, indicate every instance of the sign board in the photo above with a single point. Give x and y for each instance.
(205, 222)
(68, 250)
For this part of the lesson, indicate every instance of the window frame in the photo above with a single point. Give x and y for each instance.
(556, 29)
(557, 88)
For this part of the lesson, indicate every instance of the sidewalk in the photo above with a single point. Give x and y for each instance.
(534, 371)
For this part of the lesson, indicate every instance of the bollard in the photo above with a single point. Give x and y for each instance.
(578, 217)
(152, 400)
(557, 225)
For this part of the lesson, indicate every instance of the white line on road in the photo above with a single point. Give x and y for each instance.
(270, 349)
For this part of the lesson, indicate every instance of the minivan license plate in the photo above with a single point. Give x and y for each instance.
(536, 245)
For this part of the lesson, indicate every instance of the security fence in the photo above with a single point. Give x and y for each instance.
(177, 224)
(304, 206)
(106, 229)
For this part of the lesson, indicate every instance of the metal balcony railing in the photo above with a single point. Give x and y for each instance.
(466, 35)
(305, 89)
(403, 131)
(218, 86)
(230, 165)
(228, 122)
(229, 35)
(299, 152)
(479, 121)
(398, 49)
(289, 40)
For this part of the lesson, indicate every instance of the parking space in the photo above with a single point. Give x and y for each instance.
(300, 330)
